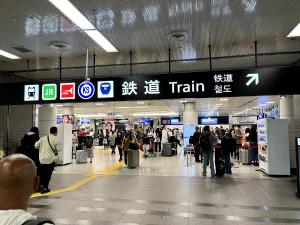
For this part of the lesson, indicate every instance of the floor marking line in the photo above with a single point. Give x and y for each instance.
(92, 176)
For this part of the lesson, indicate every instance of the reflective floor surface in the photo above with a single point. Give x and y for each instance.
(164, 190)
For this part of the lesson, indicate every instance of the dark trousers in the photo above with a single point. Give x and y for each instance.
(197, 154)
(158, 146)
(125, 157)
(45, 174)
(120, 153)
(113, 148)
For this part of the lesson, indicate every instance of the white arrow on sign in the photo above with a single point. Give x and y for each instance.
(254, 77)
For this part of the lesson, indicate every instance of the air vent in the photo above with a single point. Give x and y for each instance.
(21, 49)
(177, 36)
(62, 46)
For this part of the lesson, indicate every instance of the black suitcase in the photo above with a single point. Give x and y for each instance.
(220, 167)
(167, 149)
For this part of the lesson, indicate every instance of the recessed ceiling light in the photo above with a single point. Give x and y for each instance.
(183, 101)
(70, 11)
(8, 55)
(295, 32)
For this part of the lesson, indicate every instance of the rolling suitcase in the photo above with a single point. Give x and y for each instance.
(80, 157)
(167, 149)
(133, 159)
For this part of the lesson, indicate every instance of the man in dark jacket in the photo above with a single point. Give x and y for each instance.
(228, 146)
(196, 143)
(207, 142)
(27, 147)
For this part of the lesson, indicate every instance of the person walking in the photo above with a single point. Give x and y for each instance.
(118, 143)
(207, 142)
(89, 146)
(27, 147)
(112, 141)
(48, 147)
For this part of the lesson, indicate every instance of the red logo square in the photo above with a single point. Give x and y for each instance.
(67, 91)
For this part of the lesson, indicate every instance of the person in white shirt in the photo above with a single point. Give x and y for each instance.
(19, 181)
(49, 147)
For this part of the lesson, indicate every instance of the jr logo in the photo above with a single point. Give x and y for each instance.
(86, 90)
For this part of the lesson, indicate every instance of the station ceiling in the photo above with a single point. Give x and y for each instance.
(149, 29)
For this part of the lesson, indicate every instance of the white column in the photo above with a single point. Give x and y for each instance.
(287, 112)
(190, 116)
(46, 119)
(68, 110)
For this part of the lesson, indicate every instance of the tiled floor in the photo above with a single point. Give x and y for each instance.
(166, 191)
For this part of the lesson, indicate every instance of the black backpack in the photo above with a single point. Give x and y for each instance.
(205, 142)
(89, 141)
(38, 221)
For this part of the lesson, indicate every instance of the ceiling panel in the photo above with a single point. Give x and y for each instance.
(229, 26)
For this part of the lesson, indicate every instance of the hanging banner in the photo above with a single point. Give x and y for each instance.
(230, 83)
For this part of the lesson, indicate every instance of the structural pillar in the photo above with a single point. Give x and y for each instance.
(68, 110)
(190, 116)
(287, 112)
(46, 119)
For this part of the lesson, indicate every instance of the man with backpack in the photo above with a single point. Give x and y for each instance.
(196, 143)
(207, 142)
(19, 181)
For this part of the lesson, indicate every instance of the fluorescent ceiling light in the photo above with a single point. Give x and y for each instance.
(59, 105)
(70, 11)
(99, 103)
(223, 99)
(270, 102)
(135, 107)
(255, 107)
(140, 103)
(156, 114)
(183, 101)
(8, 55)
(295, 32)
(219, 104)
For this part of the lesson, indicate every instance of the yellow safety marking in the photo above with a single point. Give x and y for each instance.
(110, 170)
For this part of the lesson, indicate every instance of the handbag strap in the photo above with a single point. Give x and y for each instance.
(55, 152)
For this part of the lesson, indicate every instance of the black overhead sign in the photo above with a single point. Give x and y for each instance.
(250, 82)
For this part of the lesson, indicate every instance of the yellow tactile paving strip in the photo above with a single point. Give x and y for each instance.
(92, 176)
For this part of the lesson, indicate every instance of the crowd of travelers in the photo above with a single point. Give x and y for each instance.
(219, 148)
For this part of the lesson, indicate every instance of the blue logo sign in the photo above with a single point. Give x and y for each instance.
(105, 89)
(86, 90)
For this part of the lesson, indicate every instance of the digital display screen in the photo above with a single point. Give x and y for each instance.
(209, 121)
(145, 120)
(85, 120)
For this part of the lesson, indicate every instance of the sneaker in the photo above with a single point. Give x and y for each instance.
(45, 190)
(213, 175)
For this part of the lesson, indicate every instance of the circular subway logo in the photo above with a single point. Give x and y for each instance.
(86, 90)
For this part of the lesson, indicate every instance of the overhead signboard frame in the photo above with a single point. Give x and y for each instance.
(229, 83)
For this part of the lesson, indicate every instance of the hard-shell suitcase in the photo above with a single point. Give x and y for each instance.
(133, 159)
(167, 149)
(80, 156)
(245, 156)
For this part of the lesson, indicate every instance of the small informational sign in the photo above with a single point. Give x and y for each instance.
(49, 92)
(105, 89)
(86, 90)
(67, 91)
(31, 92)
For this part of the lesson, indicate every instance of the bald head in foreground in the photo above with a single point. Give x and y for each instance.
(18, 181)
